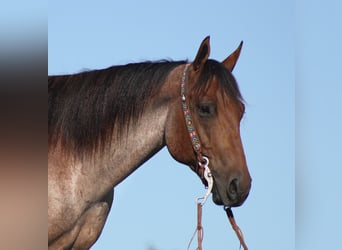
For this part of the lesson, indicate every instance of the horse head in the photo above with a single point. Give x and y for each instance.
(216, 109)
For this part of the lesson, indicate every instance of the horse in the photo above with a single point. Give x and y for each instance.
(104, 124)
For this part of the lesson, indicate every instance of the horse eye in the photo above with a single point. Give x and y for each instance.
(205, 110)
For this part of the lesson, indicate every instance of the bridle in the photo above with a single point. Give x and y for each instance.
(202, 169)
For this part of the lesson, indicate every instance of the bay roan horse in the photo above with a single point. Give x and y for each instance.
(104, 124)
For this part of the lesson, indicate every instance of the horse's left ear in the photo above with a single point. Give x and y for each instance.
(231, 60)
(202, 54)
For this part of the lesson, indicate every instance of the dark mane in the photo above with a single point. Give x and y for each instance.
(84, 107)
(227, 83)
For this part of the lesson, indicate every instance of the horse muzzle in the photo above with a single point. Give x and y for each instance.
(233, 193)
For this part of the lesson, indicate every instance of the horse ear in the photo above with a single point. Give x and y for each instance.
(231, 60)
(202, 54)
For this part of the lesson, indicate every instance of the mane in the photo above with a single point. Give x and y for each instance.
(84, 107)
(226, 81)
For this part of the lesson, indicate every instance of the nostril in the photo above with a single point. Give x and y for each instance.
(237, 190)
(233, 188)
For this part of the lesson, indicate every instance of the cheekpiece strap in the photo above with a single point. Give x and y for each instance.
(188, 120)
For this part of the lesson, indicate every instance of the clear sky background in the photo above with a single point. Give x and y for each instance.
(288, 73)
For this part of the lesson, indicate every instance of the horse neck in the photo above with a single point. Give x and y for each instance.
(142, 141)
(144, 138)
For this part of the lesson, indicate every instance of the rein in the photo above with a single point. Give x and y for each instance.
(203, 164)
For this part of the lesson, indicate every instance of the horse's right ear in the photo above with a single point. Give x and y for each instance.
(202, 54)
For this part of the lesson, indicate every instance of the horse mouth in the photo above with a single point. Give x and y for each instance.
(217, 199)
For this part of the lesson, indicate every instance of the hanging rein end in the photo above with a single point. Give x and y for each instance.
(235, 227)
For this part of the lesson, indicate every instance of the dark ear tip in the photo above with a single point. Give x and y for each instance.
(206, 40)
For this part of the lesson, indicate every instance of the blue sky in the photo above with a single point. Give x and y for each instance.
(281, 79)
(318, 124)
